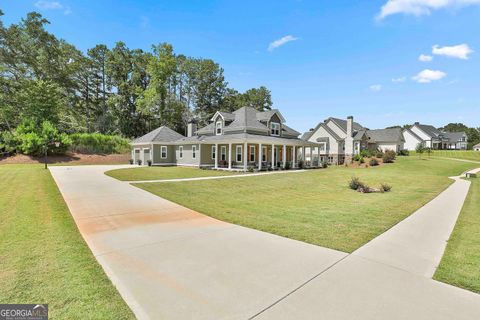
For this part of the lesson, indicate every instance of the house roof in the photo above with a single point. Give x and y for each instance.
(413, 134)
(428, 129)
(477, 145)
(358, 135)
(307, 135)
(454, 136)
(225, 115)
(342, 124)
(241, 138)
(266, 115)
(161, 134)
(290, 131)
(385, 135)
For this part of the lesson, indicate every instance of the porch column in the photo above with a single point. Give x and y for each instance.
(200, 155)
(284, 156)
(151, 153)
(273, 156)
(318, 151)
(245, 156)
(216, 156)
(230, 156)
(303, 154)
(260, 156)
(294, 158)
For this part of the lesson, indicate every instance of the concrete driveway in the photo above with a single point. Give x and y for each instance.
(169, 262)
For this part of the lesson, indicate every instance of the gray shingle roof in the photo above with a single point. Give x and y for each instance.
(385, 135)
(290, 131)
(208, 129)
(245, 118)
(161, 134)
(428, 129)
(454, 136)
(266, 115)
(413, 134)
(307, 135)
(343, 124)
(358, 135)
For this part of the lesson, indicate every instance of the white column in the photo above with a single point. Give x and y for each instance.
(294, 158)
(303, 154)
(284, 156)
(273, 156)
(318, 151)
(229, 156)
(216, 156)
(260, 156)
(200, 155)
(245, 156)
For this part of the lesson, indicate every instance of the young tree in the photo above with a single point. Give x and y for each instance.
(419, 149)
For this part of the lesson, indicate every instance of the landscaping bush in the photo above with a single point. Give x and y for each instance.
(373, 162)
(130, 161)
(355, 183)
(324, 164)
(389, 156)
(365, 153)
(385, 187)
(357, 157)
(301, 164)
(288, 165)
(404, 152)
(98, 143)
(361, 160)
(251, 168)
(379, 154)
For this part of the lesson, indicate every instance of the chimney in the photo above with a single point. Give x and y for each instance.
(191, 128)
(417, 123)
(349, 126)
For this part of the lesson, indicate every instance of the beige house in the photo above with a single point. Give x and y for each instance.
(245, 139)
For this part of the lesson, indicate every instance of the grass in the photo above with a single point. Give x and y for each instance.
(317, 206)
(460, 265)
(161, 173)
(43, 258)
(458, 154)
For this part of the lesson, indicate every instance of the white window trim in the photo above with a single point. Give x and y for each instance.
(180, 152)
(252, 148)
(217, 127)
(214, 151)
(161, 152)
(264, 153)
(272, 125)
(223, 152)
(237, 153)
(194, 152)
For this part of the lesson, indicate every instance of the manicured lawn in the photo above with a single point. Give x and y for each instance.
(317, 206)
(160, 173)
(43, 258)
(460, 265)
(460, 154)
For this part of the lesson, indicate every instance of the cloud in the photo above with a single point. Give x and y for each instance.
(399, 79)
(427, 76)
(420, 7)
(376, 87)
(460, 51)
(425, 58)
(53, 5)
(280, 42)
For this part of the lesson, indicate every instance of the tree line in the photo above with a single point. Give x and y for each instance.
(115, 90)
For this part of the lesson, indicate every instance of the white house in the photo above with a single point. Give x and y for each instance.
(431, 137)
(476, 147)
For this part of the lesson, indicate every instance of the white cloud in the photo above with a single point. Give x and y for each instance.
(427, 76)
(460, 51)
(376, 87)
(399, 79)
(53, 5)
(280, 42)
(425, 58)
(420, 7)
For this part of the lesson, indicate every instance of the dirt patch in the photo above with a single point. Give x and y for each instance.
(69, 159)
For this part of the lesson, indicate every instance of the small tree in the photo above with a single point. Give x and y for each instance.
(429, 151)
(419, 149)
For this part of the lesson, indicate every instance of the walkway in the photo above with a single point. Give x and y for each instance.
(169, 262)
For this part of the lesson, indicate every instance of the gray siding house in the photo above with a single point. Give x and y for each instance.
(431, 137)
(239, 140)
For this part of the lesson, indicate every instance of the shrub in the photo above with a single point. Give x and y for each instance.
(404, 152)
(379, 154)
(355, 183)
(139, 162)
(361, 160)
(288, 165)
(301, 164)
(357, 157)
(389, 156)
(324, 164)
(250, 168)
(8, 142)
(385, 187)
(365, 153)
(131, 161)
(373, 162)
(31, 139)
(98, 143)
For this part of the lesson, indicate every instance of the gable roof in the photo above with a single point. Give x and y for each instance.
(454, 136)
(227, 116)
(245, 118)
(385, 135)
(477, 145)
(413, 134)
(161, 134)
(428, 129)
(307, 135)
(266, 115)
(358, 135)
(342, 124)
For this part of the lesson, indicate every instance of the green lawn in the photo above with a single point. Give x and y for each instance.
(460, 265)
(43, 258)
(317, 206)
(460, 154)
(160, 173)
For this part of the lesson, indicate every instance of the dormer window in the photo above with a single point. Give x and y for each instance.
(218, 128)
(274, 128)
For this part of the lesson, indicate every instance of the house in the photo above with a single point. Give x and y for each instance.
(341, 139)
(243, 139)
(431, 137)
(476, 147)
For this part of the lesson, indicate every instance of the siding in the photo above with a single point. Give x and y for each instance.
(157, 158)
(187, 159)
(410, 141)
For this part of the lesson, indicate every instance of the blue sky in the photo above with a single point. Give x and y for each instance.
(337, 58)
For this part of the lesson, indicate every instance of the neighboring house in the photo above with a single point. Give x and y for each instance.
(431, 137)
(476, 147)
(341, 139)
(239, 140)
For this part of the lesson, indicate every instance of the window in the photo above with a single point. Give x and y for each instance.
(274, 128)
(322, 147)
(218, 128)
(180, 152)
(239, 153)
(163, 152)
(194, 152)
(214, 150)
(223, 153)
(252, 153)
(264, 154)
